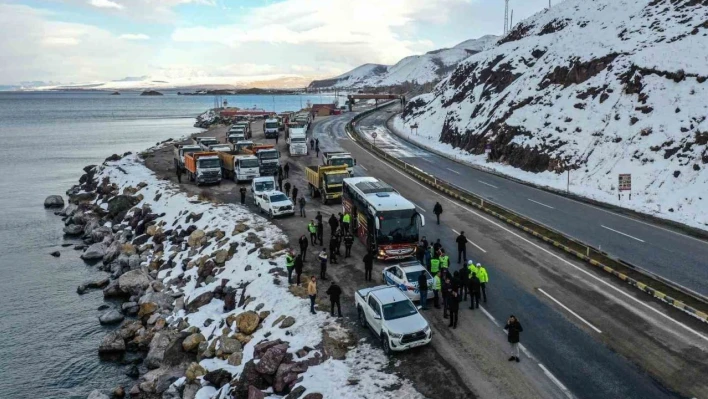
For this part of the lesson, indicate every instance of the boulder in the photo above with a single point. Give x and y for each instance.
(147, 309)
(254, 393)
(134, 262)
(162, 300)
(99, 234)
(54, 201)
(201, 300)
(121, 203)
(235, 359)
(314, 395)
(93, 284)
(287, 374)
(156, 352)
(296, 392)
(271, 359)
(96, 394)
(55, 254)
(191, 343)
(193, 371)
(130, 329)
(247, 322)
(230, 345)
(249, 376)
(260, 349)
(119, 392)
(112, 290)
(110, 317)
(130, 308)
(134, 282)
(112, 343)
(287, 322)
(220, 257)
(197, 238)
(95, 251)
(74, 230)
(218, 377)
(190, 391)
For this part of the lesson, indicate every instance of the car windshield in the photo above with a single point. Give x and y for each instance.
(268, 154)
(278, 198)
(398, 227)
(209, 163)
(336, 179)
(343, 161)
(249, 163)
(413, 276)
(397, 310)
(265, 185)
(271, 125)
(299, 140)
(209, 142)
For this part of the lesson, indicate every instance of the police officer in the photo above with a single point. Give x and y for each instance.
(444, 259)
(346, 220)
(290, 265)
(348, 242)
(483, 280)
(437, 285)
(242, 190)
(434, 265)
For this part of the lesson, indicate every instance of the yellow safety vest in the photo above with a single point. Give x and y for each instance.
(444, 261)
(312, 228)
(473, 269)
(289, 261)
(482, 274)
(434, 265)
(436, 283)
(347, 218)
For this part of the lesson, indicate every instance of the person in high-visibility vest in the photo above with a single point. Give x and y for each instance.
(312, 228)
(483, 279)
(346, 220)
(437, 285)
(444, 259)
(290, 265)
(434, 266)
(471, 268)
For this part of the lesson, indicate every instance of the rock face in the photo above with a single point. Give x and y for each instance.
(111, 317)
(54, 201)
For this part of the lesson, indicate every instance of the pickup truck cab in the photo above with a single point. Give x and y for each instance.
(405, 276)
(392, 317)
(274, 203)
(262, 184)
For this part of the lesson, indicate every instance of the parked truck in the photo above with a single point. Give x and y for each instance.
(203, 167)
(239, 167)
(270, 128)
(297, 142)
(268, 158)
(326, 181)
(241, 146)
(181, 151)
(245, 126)
(336, 158)
(236, 136)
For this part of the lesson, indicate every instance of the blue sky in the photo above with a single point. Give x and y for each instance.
(98, 40)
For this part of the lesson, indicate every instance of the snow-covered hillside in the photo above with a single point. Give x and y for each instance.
(417, 69)
(600, 87)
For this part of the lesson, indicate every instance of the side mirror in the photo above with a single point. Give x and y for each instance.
(422, 220)
(377, 223)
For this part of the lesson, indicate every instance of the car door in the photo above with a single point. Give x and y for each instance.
(376, 317)
(390, 276)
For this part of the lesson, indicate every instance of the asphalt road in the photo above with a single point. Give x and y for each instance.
(667, 253)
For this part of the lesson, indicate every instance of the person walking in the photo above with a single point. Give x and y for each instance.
(290, 265)
(513, 329)
(423, 289)
(323, 264)
(318, 217)
(320, 231)
(461, 247)
(277, 135)
(483, 280)
(454, 308)
(446, 290)
(333, 224)
(464, 283)
(317, 142)
(303, 246)
(333, 246)
(312, 144)
(280, 171)
(313, 232)
(346, 220)
(294, 194)
(334, 292)
(242, 190)
(474, 291)
(368, 265)
(317, 150)
(302, 203)
(312, 293)
(298, 269)
(420, 253)
(287, 188)
(444, 260)
(178, 171)
(436, 248)
(437, 210)
(280, 182)
(437, 285)
(286, 170)
(339, 238)
(348, 242)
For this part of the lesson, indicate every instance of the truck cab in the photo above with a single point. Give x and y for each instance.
(181, 151)
(240, 146)
(326, 182)
(271, 127)
(235, 136)
(205, 142)
(203, 167)
(245, 126)
(246, 168)
(392, 317)
(297, 141)
(337, 158)
(262, 184)
(220, 147)
(274, 203)
(269, 159)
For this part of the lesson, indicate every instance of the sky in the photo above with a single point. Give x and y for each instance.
(77, 41)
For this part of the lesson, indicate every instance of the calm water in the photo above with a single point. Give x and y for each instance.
(49, 334)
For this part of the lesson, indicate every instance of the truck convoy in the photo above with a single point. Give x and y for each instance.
(203, 167)
(268, 158)
(239, 167)
(297, 141)
(392, 317)
(271, 128)
(336, 158)
(182, 150)
(326, 181)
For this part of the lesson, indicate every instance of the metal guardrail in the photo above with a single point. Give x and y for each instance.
(680, 297)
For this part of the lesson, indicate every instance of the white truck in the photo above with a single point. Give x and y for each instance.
(336, 158)
(239, 167)
(274, 203)
(271, 128)
(245, 126)
(297, 141)
(262, 184)
(235, 136)
(205, 142)
(181, 151)
(392, 317)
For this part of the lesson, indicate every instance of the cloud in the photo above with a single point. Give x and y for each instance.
(105, 4)
(134, 36)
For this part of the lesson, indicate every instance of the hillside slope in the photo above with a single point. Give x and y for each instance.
(417, 69)
(598, 87)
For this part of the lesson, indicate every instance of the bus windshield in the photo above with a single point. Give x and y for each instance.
(342, 161)
(398, 227)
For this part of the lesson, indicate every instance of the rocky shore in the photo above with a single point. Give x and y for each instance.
(200, 299)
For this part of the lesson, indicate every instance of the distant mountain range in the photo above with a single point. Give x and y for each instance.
(417, 69)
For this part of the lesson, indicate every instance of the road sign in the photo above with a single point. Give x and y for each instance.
(488, 148)
(625, 182)
(374, 135)
(414, 126)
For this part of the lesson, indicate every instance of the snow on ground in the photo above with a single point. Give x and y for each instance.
(606, 87)
(330, 378)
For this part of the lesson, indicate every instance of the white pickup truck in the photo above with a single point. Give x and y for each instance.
(391, 315)
(274, 203)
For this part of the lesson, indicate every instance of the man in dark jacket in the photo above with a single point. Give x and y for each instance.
(514, 329)
(303, 246)
(333, 224)
(475, 288)
(298, 267)
(294, 195)
(368, 265)
(464, 283)
(287, 188)
(348, 242)
(333, 246)
(242, 191)
(286, 170)
(446, 290)
(454, 308)
(436, 248)
(280, 182)
(423, 289)
(312, 144)
(320, 231)
(437, 210)
(461, 247)
(334, 292)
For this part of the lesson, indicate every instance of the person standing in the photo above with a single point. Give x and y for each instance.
(368, 265)
(474, 291)
(346, 220)
(454, 308)
(333, 247)
(471, 268)
(514, 329)
(287, 188)
(436, 248)
(464, 283)
(334, 292)
(483, 280)
(437, 210)
(303, 246)
(312, 144)
(298, 269)
(436, 290)
(320, 231)
(312, 293)
(313, 232)
(333, 224)
(294, 194)
(317, 142)
(290, 265)
(280, 182)
(178, 170)
(348, 242)
(286, 169)
(242, 190)
(317, 150)
(280, 171)
(434, 265)
(277, 135)
(427, 257)
(339, 238)
(323, 264)
(423, 289)
(318, 217)
(444, 260)
(302, 203)
(420, 253)
(461, 247)
(446, 289)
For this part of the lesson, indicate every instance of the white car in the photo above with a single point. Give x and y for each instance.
(275, 204)
(405, 277)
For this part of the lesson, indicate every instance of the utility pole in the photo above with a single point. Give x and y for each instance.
(506, 16)
(511, 23)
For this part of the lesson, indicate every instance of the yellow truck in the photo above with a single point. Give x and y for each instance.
(326, 181)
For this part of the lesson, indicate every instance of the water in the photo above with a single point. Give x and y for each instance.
(49, 334)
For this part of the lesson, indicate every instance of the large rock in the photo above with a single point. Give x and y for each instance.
(286, 375)
(235, 359)
(162, 300)
(247, 322)
(218, 377)
(96, 394)
(255, 393)
(112, 343)
(194, 304)
(130, 308)
(260, 349)
(94, 252)
(271, 359)
(249, 376)
(74, 230)
(121, 203)
(111, 317)
(94, 284)
(220, 257)
(193, 371)
(296, 392)
(113, 290)
(54, 201)
(100, 233)
(197, 238)
(230, 345)
(157, 349)
(134, 282)
(191, 343)
(190, 391)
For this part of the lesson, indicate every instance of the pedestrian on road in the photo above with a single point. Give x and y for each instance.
(427, 257)
(286, 170)
(276, 138)
(313, 232)
(303, 246)
(346, 220)
(368, 265)
(280, 182)
(333, 224)
(242, 190)
(437, 210)
(474, 291)
(312, 293)
(280, 172)
(425, 241)
(423, 289)
(434, 265)
(461, 247)
(312, 144)
(178, 170)
(317, 150)
(318, 217)
(436, 248)
(483, 280)
(333, 247)
(454, 308)
(513, 329)
(287, 188)
(339, 239)
(323, 264)
(420, 253)
(334, 292)
(317, 142)
(295, 194)
(290, 265)
(298, 269)
(464, 283)
(348, 242)
(437, 285)
(302, 203)
(446, 290)
(320, 231)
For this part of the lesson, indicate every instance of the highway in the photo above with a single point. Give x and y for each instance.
(594, 337)
(665, 252)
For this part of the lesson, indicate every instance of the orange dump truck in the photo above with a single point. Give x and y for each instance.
(203, 167)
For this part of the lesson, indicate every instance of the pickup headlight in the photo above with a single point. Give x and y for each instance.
(394, 335)
(426, 330)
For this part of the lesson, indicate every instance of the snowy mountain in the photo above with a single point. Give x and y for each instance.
(597, 87)
(418, 69)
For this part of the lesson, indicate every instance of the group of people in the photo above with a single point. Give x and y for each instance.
(315, 145)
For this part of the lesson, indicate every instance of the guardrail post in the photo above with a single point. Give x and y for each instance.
(482, 206)
(588, 251)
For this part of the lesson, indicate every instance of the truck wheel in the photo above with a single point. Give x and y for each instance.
(386, 345)
(362, 318)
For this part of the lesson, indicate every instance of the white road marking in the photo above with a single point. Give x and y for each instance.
(556, 381)
(418, 206)
(578, 268)
(624, 234)
(536, 202)
(570, 311)
(453, 171)
(363, 167)
(489, 316)
(470, 241)
(487, 184)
